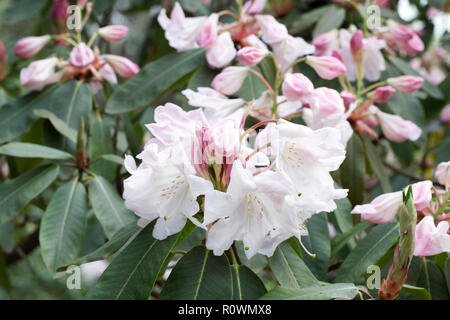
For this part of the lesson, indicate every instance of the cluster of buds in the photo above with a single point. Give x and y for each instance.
(431, 204)
(403, 38)
(84, 63)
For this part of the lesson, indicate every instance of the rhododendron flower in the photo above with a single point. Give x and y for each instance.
(180, 31)
(250, 56)
(442, 174)
(207, 34)
(406, 83)
(222, 52)
(113, 33)
(81, 56)
(297, 87)
(382, 94)
(39, 74)
(382, 209)
(29, 46)
(290, 49)
(272, 30)
(422, 194)
(326, 67)
(123, 66)
(397, 129)
(403, 38)
(326, 43)
(230, 80)
(430, 239)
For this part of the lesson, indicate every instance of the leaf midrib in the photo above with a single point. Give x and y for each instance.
(202, 270)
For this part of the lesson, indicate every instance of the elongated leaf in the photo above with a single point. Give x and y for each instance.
(308, 19)
(343, 215)
(318, 243)
(199, 275)
(352, 170)
(368, 251)
(376, 165)
(5, 282)
(341, 240)
(433, 281)
(132, 274)
(327, 292)
(289, 269)
(70, 102)
(246, 284)
(22, 10)
(16, 116)
(117, 242)
(108, 207)
(447, 273)
(252, 88)
(202, 77)
(16, 193)
(31, 150)
(63, 225)
(112, 158)
(101, 142)
(58, 124)
(333, 19)
(419, 293)
(427, 86)
(153, 80)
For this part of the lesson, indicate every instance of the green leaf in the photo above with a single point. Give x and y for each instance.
(59, 125)
(112, 158)
(326, 292)
(101, 142)
(289, 269)
(419, 293)
(343, 215)
(16, 116)
(5, 282)
(433, 281)
(341, 240)
(19, 11)
(199, 275)
(447, 273)
(202, 77)
(308, 19)
(318, 243)
(352, 170)
(108, 206)
(16, 193)
(132, 274)
(31, 150)
(246, 284)
(63, 225)
(252, 88)
(377, 166)
(333, 19)
(117, 242)
(368, 251)
(256, 263)
(153, 80)
(427, 86)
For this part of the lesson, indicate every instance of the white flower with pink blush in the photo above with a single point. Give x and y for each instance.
(326, 67)
(230, 80)
(81, 56)
(272, 30)
(431, 239)
(297, 87)
(290, 49)
(123, 66)
(207, 34)
(254, 6)
(442, 174)
(181, 32)
(113, 33)
(250, 56)
(382, 209)
(397, 129)
(40, 73)
(221, 52)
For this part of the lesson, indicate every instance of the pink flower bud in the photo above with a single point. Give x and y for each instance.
(325, 43)
(250, 56)
(326, 67)
(123, 66)
(442, 173)
(107, 73)
(222, 52)
(230, 80)
(429, 239)
(445, 114)
(382, 94)
(254, 6)
(348, 98)
(81, 56)
(29, 46)
(207, 34)
(422, 194)
(382, 209)
(39, 74)
(272, 30)
(415, 45)
(397, 129)
(356, 42)
(113, 33)
(406, 83)
(297, 87)
(3, 61)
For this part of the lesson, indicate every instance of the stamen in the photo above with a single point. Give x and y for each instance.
(312, 255)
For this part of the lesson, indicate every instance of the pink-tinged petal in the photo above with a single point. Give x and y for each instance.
(382, 209)
(39, 74)
(250, 56)
(297, 87)
(422, 194)
(207, 34)
(113, 33)
(107, 72)
(222, 52)
(81, 56)
(230, 80)
(382, 94)
(429, 239)
(445, 114)
(29, 46)
(254, 6)
(442, 174)
(397, 129)
(123, 66)
(406, 84)
(272, 30)
(326, 67)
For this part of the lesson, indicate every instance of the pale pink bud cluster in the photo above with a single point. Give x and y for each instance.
(113, 33)
(29, 46)
(406, 83)
(326, 67)
(403, 38)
